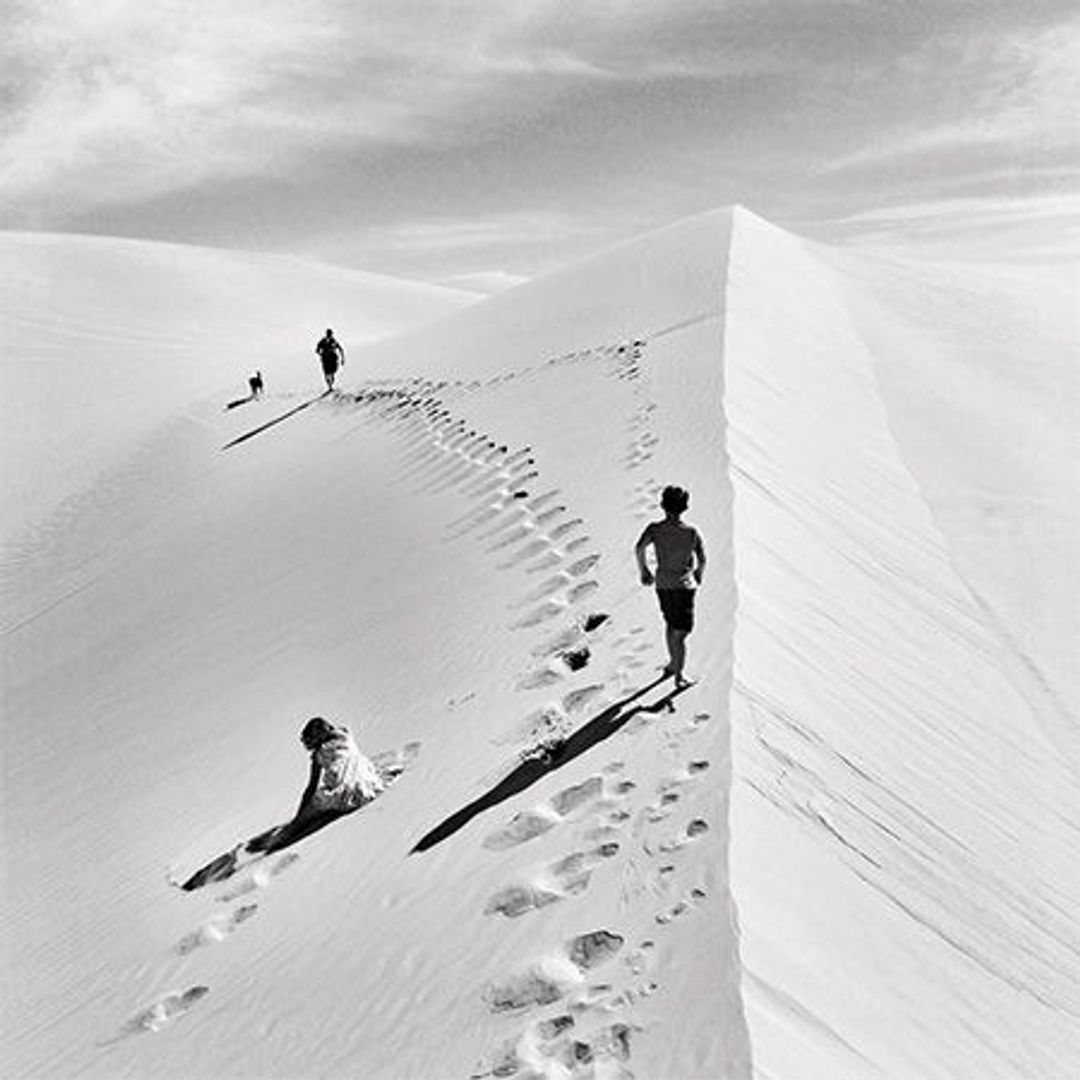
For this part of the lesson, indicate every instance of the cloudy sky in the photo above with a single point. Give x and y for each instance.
(438, 138)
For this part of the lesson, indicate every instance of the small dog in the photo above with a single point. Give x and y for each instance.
(256, 384)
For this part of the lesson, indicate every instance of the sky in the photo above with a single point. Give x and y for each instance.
(469, 140)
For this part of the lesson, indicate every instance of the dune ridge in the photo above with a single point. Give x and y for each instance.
(843, 852)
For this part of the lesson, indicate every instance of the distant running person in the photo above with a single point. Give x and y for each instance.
(680, 568)
(331, 356)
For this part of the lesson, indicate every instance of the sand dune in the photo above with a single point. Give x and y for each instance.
(844, 851)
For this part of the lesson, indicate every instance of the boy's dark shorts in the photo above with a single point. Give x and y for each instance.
(678, 608)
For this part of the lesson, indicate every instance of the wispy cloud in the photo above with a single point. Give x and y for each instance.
(424, 127)
(114, 100)
(111, 99)
(986, 91)
(1017, 228)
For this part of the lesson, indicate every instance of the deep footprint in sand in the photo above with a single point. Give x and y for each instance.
(566, 877)
(545, 589)
(572, 798)
(549, 609)
(602, 1053)
(164, 1011)
(259, 877)
(513, 901)
(215, 929)
(593, 949)
(526, 990)
(682, 907)
(694, 829)
(521, 828)
(576, 700)
(541, 677)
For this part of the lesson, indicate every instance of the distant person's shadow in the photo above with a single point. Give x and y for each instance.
(530, 770)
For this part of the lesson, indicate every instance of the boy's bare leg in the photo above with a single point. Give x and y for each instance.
(676, 644)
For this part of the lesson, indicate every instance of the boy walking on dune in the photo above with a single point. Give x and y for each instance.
(331, 355)
(680, 568)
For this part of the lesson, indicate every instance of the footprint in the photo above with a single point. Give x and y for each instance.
(541, 984)
(215, 929)
(545, 676)
(573, 798)
(547, 610)
(514, 536)
(582, 566)
(554, 1026)
(605, 834)
(166, 1009)
(601, 1054)
(682, 907)
(581, 590)
(259, 877)
(541, 731)
(538, 501)
(515, 900)
(694, 829)
(522, 827)
(576, 700)
(544, 589)
(591, 950)
(565, 877)
(393, 763)
(548, 561)
(575, 659)
(549, 514)
(565, 639)
(566, 527)
(509, 517)
(531, 549)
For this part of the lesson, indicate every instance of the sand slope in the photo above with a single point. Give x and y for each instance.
(843, 852)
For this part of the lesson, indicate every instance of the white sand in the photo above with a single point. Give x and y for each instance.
(847, 851)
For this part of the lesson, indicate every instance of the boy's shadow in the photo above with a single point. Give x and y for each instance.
(532, 769)
(524, 776)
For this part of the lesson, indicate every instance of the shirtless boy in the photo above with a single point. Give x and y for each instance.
(680, 568)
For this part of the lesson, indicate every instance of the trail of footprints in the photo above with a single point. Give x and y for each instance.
(526, 527)
(576, 1025)
(219, 926)
(519, 522)
(572, 1011)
